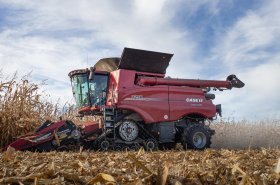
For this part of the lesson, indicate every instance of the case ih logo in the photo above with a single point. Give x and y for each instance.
(194, 100)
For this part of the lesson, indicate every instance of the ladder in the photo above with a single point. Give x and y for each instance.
(109, 117)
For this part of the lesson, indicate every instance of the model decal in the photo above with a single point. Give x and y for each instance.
(194, 100)
(141, 98)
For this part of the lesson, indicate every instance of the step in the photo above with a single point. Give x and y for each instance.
(109, 118)
(109, 114)
(109, 124)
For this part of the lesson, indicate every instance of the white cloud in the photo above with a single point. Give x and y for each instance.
(259, 98)
(33, 44)
(249, 39)
(250, 48)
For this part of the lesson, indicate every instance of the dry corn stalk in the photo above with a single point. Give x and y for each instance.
(102, 178)
(246, 135)
(163, 171)
(23, 107)
(8, 154)
(277, 169)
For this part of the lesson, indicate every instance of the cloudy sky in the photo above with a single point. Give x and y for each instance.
(210, 39)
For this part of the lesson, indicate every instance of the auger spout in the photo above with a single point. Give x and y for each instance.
(230, 82)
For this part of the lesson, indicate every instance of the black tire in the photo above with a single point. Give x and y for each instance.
(104, 145)
(62, 148)
(196, 137)
(151, 145)
(167, 146)
(118, 148)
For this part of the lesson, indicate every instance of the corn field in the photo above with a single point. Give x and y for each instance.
(246, 135)
(243, 152)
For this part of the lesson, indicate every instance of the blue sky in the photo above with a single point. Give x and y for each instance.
(210, 39)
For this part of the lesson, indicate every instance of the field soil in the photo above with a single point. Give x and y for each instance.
(210, 166)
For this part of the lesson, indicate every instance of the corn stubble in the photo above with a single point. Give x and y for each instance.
(247, 167)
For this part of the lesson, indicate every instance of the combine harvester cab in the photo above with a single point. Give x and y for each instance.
(137, 107)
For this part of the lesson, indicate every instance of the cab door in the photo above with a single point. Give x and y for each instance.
(97, 86)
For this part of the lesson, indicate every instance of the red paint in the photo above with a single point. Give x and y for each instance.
(89, 127)
(160, 99)
(183, 82)
(27, 141)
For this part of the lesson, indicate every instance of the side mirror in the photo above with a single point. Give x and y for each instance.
(92, 86)
(91, 73)
(103, 94)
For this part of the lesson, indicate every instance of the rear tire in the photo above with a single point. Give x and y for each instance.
(196, 137)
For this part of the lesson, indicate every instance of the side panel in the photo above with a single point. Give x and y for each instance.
(159, 103)
(188, 100)
(119, 81)
(150, 102)
(113, 87)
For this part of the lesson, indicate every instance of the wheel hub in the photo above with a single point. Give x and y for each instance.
(104, 145)
(128, 130)
(76, 134)
(199, 139)
(151, 145)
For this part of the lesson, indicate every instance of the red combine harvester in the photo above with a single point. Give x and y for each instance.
(137, 105)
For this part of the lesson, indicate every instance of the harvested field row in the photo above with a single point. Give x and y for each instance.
(172, 167)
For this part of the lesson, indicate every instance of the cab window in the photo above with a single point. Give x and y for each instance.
(80, 89)
(96, 87)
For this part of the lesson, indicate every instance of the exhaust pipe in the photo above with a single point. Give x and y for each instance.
(91, 73)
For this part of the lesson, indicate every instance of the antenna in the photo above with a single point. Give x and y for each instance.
(87, 59)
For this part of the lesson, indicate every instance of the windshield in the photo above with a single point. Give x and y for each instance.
(80, 89)
(89, 92)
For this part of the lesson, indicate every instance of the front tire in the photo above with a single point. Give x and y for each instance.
(196, 137)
